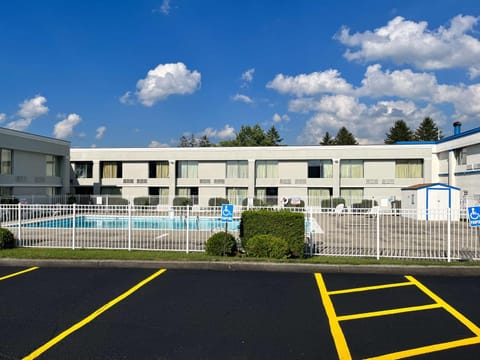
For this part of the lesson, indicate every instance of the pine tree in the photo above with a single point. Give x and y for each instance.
(345, 137)
(273, 137)
(399, 132)
(327, 139)
(428, 131)
(204, 141)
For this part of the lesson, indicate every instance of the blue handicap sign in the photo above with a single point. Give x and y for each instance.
(227, 212)
(474, 216)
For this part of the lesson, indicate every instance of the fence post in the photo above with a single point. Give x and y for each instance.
(74, 215)
(449, 237)
(187, 227)
(378, 232)
(129, 226)
(19, 218)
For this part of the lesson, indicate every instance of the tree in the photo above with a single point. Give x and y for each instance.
(254, 136)
(184, 141)
(428, 131)
(327, 139)
(345, 137)
(399, 132)
(204, 141)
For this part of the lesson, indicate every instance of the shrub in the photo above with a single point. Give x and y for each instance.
(332, 203)
(145, 200)
(221, 244)
(7, 240)
(256, 202)
(182, 201)
(217, 201)
(284, 224)
(117, 201)
(10, 201)
(267, 246)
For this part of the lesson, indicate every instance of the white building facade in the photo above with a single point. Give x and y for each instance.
(33, 165)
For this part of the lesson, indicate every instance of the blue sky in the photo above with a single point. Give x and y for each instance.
(143, 73)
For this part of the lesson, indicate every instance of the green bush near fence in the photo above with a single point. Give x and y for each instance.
(7, 240)
(365, 204)
(332, 203)
(221, 244)
(146, 200)
(10, 201)
(256, 202)
(283, 224)
(267, 246)
(182, 201)
(117, 201)
(218, 201)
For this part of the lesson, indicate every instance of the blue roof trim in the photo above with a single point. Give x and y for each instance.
(445, 139)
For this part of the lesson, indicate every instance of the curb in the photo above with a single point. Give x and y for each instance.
(252, 266)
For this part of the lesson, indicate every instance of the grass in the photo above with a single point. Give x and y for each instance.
(92, 254)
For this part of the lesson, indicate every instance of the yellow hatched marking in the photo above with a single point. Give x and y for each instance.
(388, 312)
(337, 333)
(427, 349)
(470, 325)
(369, 288)
(18, 273)
(91, 317)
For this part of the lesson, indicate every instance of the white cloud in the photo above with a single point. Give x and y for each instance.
(64, 128)
(20, 125)
(100, 132)
(279, 118)
(3, 116)
(127, 98)
(156, 144)
(33, 108)
(247, 76)
(165, 7)
(328, 81)
(166, 80)
(242, 98)
(408, 42)
(227, 132)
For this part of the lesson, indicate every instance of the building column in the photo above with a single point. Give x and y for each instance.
(251, 178)
(96, 177)
(452, 164)
(172, 181)
(336, 178)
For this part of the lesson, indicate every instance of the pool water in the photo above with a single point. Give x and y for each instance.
(146, 223)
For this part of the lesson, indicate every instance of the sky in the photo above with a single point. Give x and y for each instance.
(142, 73)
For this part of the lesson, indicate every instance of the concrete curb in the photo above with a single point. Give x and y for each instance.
(253, 266)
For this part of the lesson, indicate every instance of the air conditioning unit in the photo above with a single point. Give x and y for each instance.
(469, 166)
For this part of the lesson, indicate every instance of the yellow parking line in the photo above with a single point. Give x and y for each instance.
(388, 312)
(473, 328)
(337, 333)
(369, 288)
(18, 273)
(91, 317)
(427, 349)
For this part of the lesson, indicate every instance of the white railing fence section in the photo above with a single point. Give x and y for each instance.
(440, 234)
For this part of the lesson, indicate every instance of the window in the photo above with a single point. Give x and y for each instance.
(351, 169)
(236, 195)
(158, 169)
(267, 169)
(53, 165)
(237, 169)
(188, 192)
(161, 192)
(351, 195)
(461, 156)
(411, 168)
(268, 195)
(111, 169)
(83, 170)
(316, 195)
(5, 161)
(187, 169)
(320, 169)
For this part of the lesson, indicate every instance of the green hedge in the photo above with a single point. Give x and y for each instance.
(218, 201)
(7, 240)
(117, 201)
(332, 203)
(182, 201)
(283, 224)
(365, 204)
(221, 244)
(256, 202)
(145, 200)
(267, 246)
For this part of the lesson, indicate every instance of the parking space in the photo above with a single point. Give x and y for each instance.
(107, 313)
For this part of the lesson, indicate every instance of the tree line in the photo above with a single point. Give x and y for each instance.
(256, 136)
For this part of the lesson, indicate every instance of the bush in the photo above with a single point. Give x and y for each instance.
(10, 201)
(117, 201)
(217, 201)
(145, 200)
(256, 202)
(7, 240)
(284, 224)
(221, 244)
(267, 246)
(332, 203)
(182, 201)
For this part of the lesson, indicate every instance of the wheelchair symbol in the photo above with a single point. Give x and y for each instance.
(226, 212)
(473, 214)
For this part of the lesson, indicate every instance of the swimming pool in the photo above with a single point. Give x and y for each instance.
(137, 223)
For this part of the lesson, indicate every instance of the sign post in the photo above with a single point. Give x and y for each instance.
(227, 216)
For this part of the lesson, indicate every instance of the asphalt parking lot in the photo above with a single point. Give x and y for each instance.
(115, 313)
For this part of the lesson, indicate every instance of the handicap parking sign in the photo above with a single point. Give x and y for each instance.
(227, 212)
(474, 216)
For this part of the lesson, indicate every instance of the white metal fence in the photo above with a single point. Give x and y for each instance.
(442, 234)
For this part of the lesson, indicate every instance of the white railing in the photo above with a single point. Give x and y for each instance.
(442, 234)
